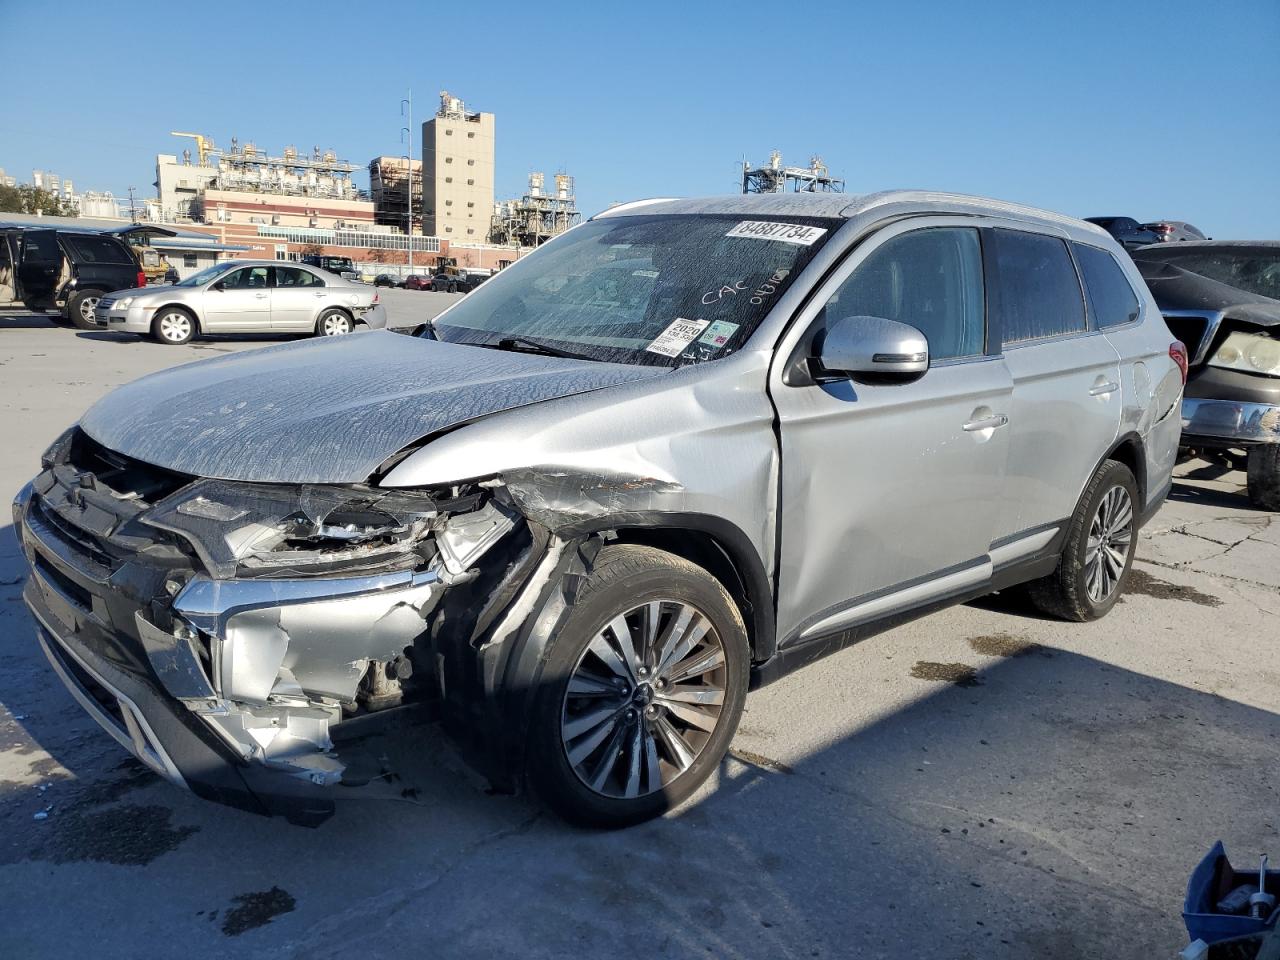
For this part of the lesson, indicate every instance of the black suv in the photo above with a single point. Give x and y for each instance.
(1129, 233)
(43, 269)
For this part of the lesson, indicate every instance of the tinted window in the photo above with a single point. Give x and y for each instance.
(1039, 293)
(931, 279)
(294, 277)
(246, 278)
(1113, 300)
(90, 249)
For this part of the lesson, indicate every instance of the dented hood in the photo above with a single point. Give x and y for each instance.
(329, 410)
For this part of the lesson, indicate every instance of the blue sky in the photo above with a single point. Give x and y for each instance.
(1155, 109)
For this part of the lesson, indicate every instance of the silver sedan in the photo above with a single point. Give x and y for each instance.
(244, 296)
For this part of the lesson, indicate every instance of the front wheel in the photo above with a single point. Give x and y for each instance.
(642, 690)
(80, 307)
(1263, 470)
(173, 326)
(333, 323)
(1101, 538)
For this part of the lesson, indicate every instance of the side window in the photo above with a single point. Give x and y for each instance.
(931, 279)
(247, 278)
(294, 277)
(1039, 292)
(1113, 300)
(93, 249)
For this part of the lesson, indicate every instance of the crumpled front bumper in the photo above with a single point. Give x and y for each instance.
(217, 704)
(1219, 421)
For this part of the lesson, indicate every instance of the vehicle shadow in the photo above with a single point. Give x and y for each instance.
(28, 321)
(105, 336)
(1046, 804)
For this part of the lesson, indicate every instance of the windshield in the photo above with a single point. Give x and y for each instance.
(655, 290)
(204, 276)
(1254, 271)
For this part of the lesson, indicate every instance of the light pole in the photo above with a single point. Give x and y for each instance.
(133, 214)
(406, 136)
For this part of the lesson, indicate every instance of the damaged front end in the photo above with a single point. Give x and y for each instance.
(211, 624)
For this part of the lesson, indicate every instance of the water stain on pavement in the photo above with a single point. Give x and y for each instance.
(1146, 585)
(961, 674)
(126, 835)
(253, 910)
(1006, 645)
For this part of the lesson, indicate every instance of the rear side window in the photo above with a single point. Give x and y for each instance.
(91, 249)
(931, 279)
(295, 277)
(1038, 293)
(1113, 300)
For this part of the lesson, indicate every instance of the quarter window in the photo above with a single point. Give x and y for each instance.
(1039, 292)
(296, 277)
(91, 249)
(930, 279)
(1113, 300)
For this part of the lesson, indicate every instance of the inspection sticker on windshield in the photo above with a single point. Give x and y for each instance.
(786, 232)
(672, 341)
(718, 333)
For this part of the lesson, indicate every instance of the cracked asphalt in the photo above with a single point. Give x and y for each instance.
(980, 783)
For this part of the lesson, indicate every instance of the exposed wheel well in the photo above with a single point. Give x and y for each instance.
(718, 558)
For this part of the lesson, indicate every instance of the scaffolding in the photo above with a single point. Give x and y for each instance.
(536, 217)
(390, 183)
(775, 178)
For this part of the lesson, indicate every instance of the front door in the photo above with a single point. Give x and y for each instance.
(890, 491)
(296, 298)
(240, 301)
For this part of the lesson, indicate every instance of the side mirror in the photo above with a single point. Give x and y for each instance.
(218, 287)
(871, 346)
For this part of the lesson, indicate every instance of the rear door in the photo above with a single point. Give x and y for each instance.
(39, 266)
(296, 298)
(1066, 378)
(240, 301)
(100, 261)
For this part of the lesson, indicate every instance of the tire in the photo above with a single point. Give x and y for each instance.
(174, 326)
(672, 756)
(453, 288)
(333, 323)
(80, 309)
(1264, 476)
(1086, 584)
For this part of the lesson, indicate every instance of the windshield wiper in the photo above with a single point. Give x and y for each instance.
(525, 345)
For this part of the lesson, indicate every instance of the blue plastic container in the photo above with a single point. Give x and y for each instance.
(1212, 880)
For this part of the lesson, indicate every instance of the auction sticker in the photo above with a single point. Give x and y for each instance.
(718, 333)
(786, 232)
(672, 341)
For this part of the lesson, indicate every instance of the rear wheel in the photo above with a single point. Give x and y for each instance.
(1095, 561)
(173, 325)
(333, 323)
(1264, 476)
(80, 307)
(642, 691)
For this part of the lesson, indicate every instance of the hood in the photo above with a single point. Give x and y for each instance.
(1176, 288)
(328, 410)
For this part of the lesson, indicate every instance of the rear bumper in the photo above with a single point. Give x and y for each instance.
(375, 318)
(1229, 422)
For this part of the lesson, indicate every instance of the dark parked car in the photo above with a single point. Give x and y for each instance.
(387, 280)
(1171, 231)
(457, 283)
(1128, 232)
(416, 281)
(339, 266)
(1222, 299)
(70, 270)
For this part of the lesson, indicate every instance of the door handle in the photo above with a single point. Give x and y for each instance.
(1102, 389)
(260, 296)
(986, 423)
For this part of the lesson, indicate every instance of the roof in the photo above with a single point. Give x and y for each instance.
(95, 224)
(1206, 244)
(849, 206)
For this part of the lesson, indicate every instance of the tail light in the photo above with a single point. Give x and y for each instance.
(1178, 354)
(142, 279)
(376, 295)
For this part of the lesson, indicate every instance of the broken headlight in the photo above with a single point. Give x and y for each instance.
(241, 529)
(1250, 352)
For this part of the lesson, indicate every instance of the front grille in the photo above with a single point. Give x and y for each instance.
(71, 591)
(106, 302)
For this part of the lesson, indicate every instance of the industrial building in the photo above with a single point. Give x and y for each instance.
(395, 186)
(458, 171)
(773, 177)
(537, 216)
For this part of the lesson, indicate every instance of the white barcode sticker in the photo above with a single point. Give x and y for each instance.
(785, 232)
(672, 341)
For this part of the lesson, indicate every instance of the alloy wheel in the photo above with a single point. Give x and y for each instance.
(335, 325)
(175, 327)
(87, 307)
(1110, 539)
(644, 699)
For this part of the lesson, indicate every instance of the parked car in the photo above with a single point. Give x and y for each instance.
(1171, 231)
(387, 280)
(66, 270)
(417, 281)
(244, 296)
(339, 266)
(1222, 299)
(686, 449)
(457, 282)
(1128, 232)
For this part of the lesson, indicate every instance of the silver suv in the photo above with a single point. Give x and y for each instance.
(682, 450)
(244, 296)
